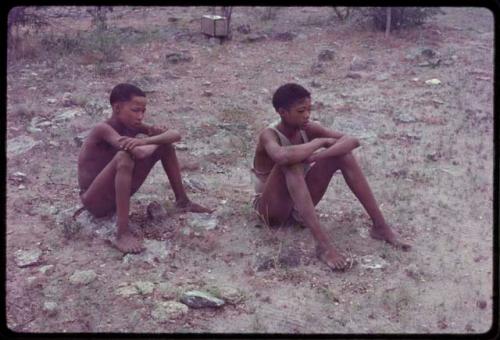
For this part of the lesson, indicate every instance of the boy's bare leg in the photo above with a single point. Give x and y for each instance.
(170, 164)
(286, 187)
(101, 197)
(319, 177)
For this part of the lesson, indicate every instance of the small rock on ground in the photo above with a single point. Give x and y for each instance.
(230, 294)
(169, 310)
(144, 287)
(317, 69)
(284, 36)
(47, 270)
(244, 29)
(83, 277)
(326, 55)
(373, 262)
(50, 308)
(175, 58)
(404, 118)
(126, 290)
(254, 38)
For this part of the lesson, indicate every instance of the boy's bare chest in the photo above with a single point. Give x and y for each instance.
(296, 139)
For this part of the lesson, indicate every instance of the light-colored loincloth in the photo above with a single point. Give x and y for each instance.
(259, 181)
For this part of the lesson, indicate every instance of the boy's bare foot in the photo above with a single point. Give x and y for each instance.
(128, 243)
(186, 206)
(333, 259)
(385, 233)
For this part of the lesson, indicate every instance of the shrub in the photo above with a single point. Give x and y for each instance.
(21, 17)
(400, 16)
(99, 19)
(20, 43)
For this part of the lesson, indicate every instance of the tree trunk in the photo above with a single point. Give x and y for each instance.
(388, 18)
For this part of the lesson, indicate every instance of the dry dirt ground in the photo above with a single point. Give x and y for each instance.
(427, 151)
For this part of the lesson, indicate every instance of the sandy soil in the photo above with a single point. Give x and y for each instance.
(427, 151)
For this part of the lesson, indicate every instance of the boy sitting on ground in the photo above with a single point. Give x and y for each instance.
(113, 163)
(294, 162)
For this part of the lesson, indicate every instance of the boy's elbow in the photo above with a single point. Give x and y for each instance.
(355, 142)
(281, 158)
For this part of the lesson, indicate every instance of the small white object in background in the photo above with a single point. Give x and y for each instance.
(214, 25)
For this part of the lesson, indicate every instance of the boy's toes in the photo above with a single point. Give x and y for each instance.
(128, 244)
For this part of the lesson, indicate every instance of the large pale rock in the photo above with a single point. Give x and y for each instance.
(25, 258)
(155, 252)
(202, 221)
(199, 299)
(20, 144)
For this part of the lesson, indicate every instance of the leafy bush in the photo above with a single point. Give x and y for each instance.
(22, 17)
(19, 23)
(400, 16)
(99, 19)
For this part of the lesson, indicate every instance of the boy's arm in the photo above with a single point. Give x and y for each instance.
(286, 155)
(106, 133)
(167, 137)
(151, 130)
(342, 144)
(103, 131)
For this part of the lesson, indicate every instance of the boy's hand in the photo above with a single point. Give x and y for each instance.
(156, 130)
(128, 143)
(311, 159)
(328, 142)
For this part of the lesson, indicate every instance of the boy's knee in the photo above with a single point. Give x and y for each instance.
(166, 148)
(124, 161)
(346, 159)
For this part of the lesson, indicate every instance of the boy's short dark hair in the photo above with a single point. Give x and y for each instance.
(286, 95)
(124, 92)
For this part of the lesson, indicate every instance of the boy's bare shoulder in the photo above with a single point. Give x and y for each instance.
(266, 134)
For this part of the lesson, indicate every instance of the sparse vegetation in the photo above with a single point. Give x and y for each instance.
(400, 16)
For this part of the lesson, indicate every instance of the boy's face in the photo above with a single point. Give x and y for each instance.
(131, 113)
(298, 114)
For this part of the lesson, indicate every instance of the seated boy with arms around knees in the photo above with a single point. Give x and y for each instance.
(294, 162)
(113, 164)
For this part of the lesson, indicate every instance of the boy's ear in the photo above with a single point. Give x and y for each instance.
(116, 107)
(282, 111)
